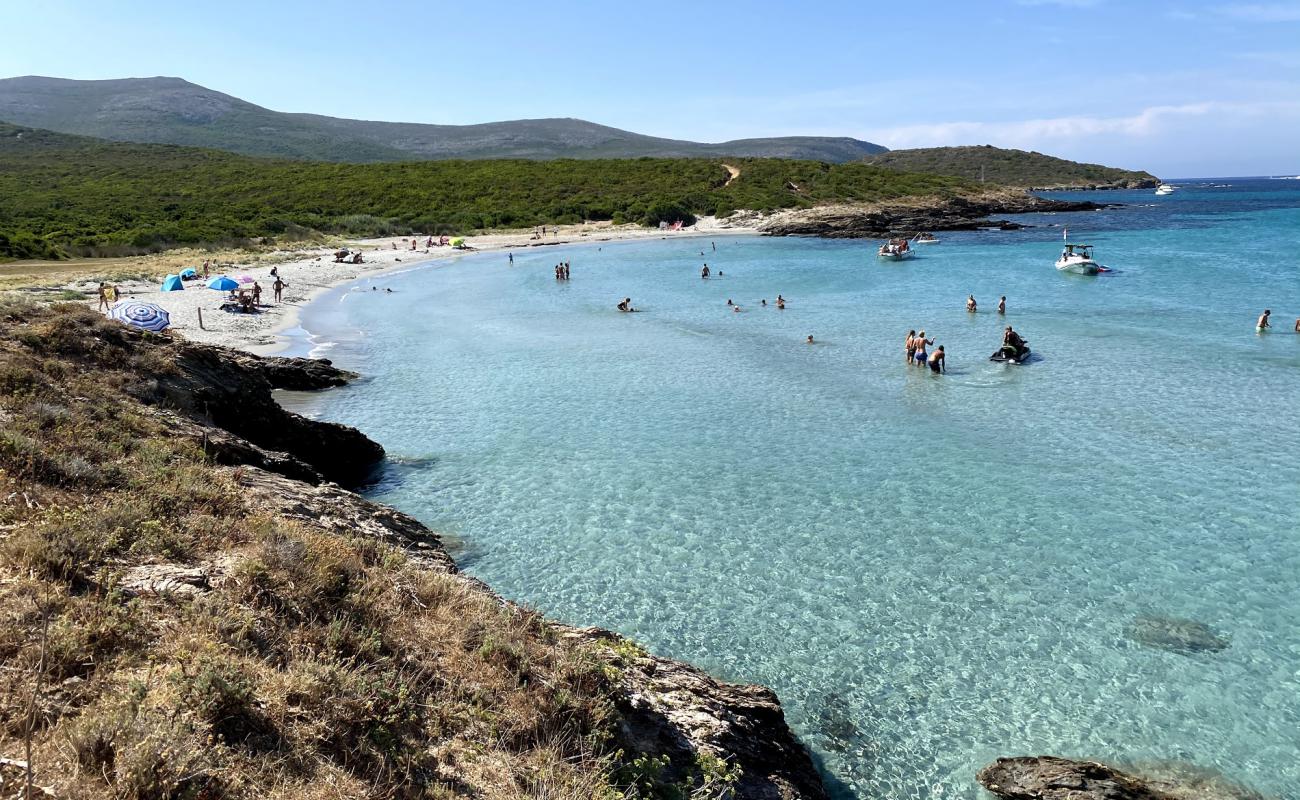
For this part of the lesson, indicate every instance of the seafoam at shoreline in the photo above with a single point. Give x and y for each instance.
(310, 272)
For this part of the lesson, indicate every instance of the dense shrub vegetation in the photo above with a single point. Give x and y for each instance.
(87, 196)
(1010, 167)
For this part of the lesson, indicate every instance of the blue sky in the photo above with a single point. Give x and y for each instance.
(1181, 89)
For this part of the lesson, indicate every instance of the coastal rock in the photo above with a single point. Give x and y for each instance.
(336, 510)
(1177, 635)
(910, 217)
(233, 391)
(1053, 778)
(167, 580)
(675, 710)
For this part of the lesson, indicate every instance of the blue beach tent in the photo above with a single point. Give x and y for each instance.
(172, 283)
(189, 273)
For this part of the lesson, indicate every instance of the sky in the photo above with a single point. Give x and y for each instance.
(1181, 89)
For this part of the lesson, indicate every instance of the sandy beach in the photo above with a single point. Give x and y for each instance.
(310, 271)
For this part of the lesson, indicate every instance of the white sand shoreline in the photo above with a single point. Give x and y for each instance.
(311, 272)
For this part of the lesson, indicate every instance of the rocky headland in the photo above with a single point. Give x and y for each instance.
(165, 525)
(907, 218)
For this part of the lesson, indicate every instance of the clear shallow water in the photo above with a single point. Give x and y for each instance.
(930, 571)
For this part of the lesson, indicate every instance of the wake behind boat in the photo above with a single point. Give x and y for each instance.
(1077, 258)
(896, 250)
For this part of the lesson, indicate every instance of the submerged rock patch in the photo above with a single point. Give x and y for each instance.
(1175, 634)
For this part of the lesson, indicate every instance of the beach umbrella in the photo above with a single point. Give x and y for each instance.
(223, 283)
(172, 283)
(188, 273)
(245, 278)
(147, 316)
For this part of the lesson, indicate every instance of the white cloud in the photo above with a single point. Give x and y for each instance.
(1038, 133)
(1264, 12)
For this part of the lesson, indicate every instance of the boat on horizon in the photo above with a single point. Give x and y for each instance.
(1164, 189)
(1077, 258)
(896, 250)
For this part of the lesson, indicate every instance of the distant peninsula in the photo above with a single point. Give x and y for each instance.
(1019, 168)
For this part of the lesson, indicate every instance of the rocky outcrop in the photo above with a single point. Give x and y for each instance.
(230, 395)
(908, 218)
(1052, 778)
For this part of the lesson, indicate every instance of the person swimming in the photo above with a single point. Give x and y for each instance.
(1261, 324)
(970, 304)
(810, 339)
(937, 364)
(729, 302)
(764, 302)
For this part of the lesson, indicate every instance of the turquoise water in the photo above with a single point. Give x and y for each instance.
(931, 571)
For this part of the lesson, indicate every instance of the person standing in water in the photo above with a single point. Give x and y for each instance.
(512, 258)
(715, 246)
(1002, 305)
(910, 344)
(937, 364)
(920, 341)
(810, 339)
(1261, 324)
(970, 304)
(704, 273)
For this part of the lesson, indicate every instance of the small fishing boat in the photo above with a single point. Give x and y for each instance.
(896, 250)
(1078, 258)
(1164, 189)
(924, 238)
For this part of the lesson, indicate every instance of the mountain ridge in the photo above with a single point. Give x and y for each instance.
(171, 110)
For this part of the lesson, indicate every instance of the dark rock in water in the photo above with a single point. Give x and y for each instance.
(1052, 778)
(833, 721)
(1186, 636)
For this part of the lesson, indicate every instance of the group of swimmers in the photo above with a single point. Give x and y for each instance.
(561, 270)
(916, 353)
(1262, 324)
(780, 303)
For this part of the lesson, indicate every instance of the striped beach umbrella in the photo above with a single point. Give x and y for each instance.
(147, 316)
(223, 283)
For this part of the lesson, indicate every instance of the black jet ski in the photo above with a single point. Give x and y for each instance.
(1008, 354)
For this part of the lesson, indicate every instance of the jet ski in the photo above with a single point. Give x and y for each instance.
(1008, 354)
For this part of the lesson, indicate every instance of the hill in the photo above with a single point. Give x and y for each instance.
(1011, 168)
(174, 111)
(80, 195)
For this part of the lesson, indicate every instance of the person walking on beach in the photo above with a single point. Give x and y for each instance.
(1261, 324)
(937, 365)
(110, 294)
(257, 293)
(278, 288)
(1002, 305)
(920, 341)
(970, 304)
(910, 344)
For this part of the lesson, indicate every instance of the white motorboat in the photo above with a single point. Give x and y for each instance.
(924, 238)
(1077, 258)
(896, 250)
(1164, 189)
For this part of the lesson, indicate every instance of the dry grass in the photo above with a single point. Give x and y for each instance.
(319, 667)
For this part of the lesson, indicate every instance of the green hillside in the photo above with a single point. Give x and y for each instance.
(1011, 167)
(85, 196)
(175, 111)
